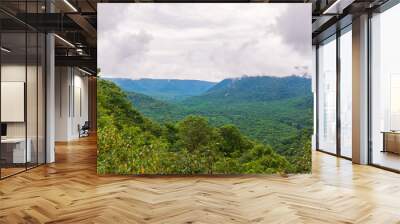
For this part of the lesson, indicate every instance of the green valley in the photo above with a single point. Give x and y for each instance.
(269, 113)
(130, 143)
(270, 110)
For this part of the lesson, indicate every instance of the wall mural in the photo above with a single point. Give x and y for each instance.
(204, 88)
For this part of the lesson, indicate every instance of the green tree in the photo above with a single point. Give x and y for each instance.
(170, 132)
(194, 132)
(263, 159)
(233, 140)
(211, 152)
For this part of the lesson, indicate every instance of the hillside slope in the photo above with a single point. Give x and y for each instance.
(160, 111)
(114, 108)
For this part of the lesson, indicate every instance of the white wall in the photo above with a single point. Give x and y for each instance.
(71, 102)
(12, 73)
(9, 73)
(62, 82)
(80, 109)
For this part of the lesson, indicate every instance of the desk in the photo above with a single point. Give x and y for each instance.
(391, 141)
(13, 150)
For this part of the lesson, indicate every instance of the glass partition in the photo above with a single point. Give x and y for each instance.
(14, 155)
(22, 89)
(385, 89)
(327, 96)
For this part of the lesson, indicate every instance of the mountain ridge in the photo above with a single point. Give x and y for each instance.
(254, 88)
(258, 88)
(164, 89)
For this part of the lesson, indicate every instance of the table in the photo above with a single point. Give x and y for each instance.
(391, 141)
(13, 150)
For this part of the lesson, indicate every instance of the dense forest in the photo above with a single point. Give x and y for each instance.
(271, 110)
(224, 129)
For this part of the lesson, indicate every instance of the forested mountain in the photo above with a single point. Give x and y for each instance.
(257, 89)
(164, 89)
(272, 115)
(130, 143)
(269, 110)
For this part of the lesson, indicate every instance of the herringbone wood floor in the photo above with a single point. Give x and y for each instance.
(69, 191)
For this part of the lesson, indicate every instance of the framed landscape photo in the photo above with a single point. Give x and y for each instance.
(204, 88)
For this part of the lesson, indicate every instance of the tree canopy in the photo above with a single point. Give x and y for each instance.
(130, 143)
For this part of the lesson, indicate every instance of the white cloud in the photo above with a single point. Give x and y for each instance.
(203, 41)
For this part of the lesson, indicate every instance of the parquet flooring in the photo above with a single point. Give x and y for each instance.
(11, 170)
(69, 191)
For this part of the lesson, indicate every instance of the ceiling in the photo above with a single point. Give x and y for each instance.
(76, 21)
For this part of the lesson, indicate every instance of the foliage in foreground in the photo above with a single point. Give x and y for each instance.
(130, 143)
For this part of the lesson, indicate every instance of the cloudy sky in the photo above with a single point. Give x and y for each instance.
(203, 41)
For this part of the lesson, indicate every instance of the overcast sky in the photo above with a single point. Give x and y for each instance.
(203, 41)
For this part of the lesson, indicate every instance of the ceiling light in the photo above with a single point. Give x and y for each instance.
(70, 5)
(86, 72)
(337, 7)
(79, 51)
(331, 7)
(64, 40)
(5, 50)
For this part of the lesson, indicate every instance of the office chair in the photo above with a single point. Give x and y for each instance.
(84, 130)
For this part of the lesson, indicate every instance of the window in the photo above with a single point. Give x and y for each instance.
(346, 93)
(327, 96)
(385, 89)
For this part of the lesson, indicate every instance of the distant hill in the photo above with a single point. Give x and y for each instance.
(270, 109)
(164, 89)
(258, 89)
